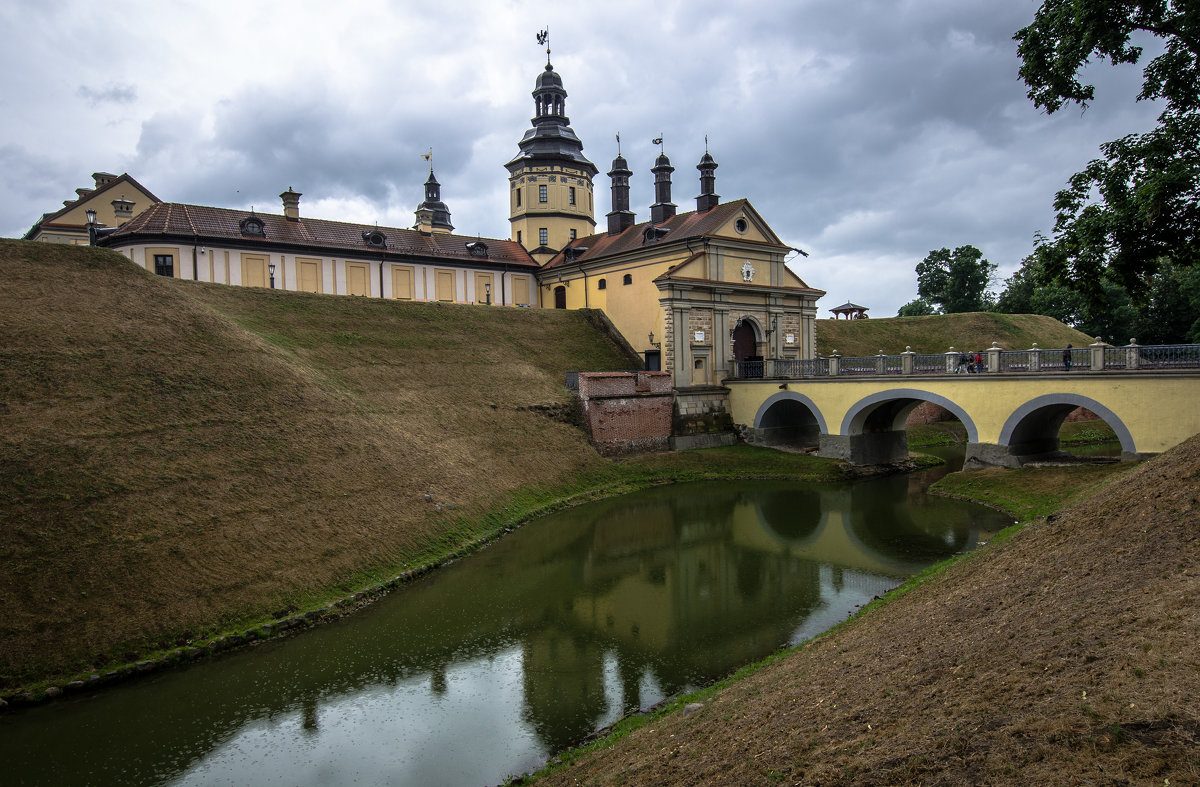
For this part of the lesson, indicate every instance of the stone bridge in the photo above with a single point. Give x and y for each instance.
(1010, 417)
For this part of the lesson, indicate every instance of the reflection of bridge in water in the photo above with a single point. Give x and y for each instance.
(1012, 414)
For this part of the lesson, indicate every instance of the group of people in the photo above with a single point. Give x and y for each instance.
(970, 363)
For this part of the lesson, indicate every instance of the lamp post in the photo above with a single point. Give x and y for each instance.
(271, 268)
(487, 290)
(91, 225)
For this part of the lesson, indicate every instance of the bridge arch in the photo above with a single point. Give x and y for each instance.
(789, 419)
(1032, 429)
(873, 431)
(887, 410)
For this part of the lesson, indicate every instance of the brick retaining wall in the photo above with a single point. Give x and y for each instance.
(627, 412)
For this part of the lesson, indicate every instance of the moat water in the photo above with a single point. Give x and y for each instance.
(487, 667)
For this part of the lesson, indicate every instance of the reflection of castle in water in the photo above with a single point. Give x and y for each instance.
(683, 584)
(610, 606)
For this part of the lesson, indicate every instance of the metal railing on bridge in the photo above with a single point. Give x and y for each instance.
(1097, 357)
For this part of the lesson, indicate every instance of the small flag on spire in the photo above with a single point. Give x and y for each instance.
(543, 36)
(656, 141)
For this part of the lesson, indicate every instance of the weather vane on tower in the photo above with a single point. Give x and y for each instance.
(543, 37)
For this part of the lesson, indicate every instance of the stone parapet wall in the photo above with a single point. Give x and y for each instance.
(701, 401)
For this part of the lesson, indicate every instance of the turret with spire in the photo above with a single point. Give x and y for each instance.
(708, 198)
(621, 218)
(432, 214)
(550, 180)
(663, 208)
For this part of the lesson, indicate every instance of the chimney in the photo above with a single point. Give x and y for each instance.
(291, 204)
(621, 218)
(663, 208)
(708, 199)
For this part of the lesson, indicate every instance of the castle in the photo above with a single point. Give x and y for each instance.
(692, 292)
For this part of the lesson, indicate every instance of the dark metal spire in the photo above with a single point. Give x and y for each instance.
(663, 208)
(708, 198)
(621, 218)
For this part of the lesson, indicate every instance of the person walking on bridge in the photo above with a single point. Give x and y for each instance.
(1067, 358)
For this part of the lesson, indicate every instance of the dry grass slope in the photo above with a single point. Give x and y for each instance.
(1064, 654)
(938, 333)
(175, 455)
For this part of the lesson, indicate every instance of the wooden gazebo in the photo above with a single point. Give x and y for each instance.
(852, 311)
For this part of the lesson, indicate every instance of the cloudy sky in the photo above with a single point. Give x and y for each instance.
(866, 132)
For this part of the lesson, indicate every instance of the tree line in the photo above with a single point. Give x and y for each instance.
(1122, 259)
(1164, 310)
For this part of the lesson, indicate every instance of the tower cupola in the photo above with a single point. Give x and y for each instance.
(432, 214)
(550, 180)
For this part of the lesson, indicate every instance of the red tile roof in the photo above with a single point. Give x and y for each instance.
(218, 226)
(682, 226)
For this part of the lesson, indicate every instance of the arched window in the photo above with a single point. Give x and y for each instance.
(628, 279)
(602, 284)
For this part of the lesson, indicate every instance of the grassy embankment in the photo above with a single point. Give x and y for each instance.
(937, 334)
(1066, 647)
(180, 460)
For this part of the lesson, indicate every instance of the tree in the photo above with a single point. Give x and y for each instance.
(1169, 314)
(955, 282)
(1137, 207)
(916, 308)
(1109, 314)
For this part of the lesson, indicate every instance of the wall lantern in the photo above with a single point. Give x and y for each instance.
(271, 268)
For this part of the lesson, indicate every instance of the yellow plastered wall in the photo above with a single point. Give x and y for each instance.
(744, 226)
(444, 285)
(254, 270)
(102, 204)
(403, 282)
(559, 183)
(483, 282)
(633, 308)
(522, 291)
(309, 274)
